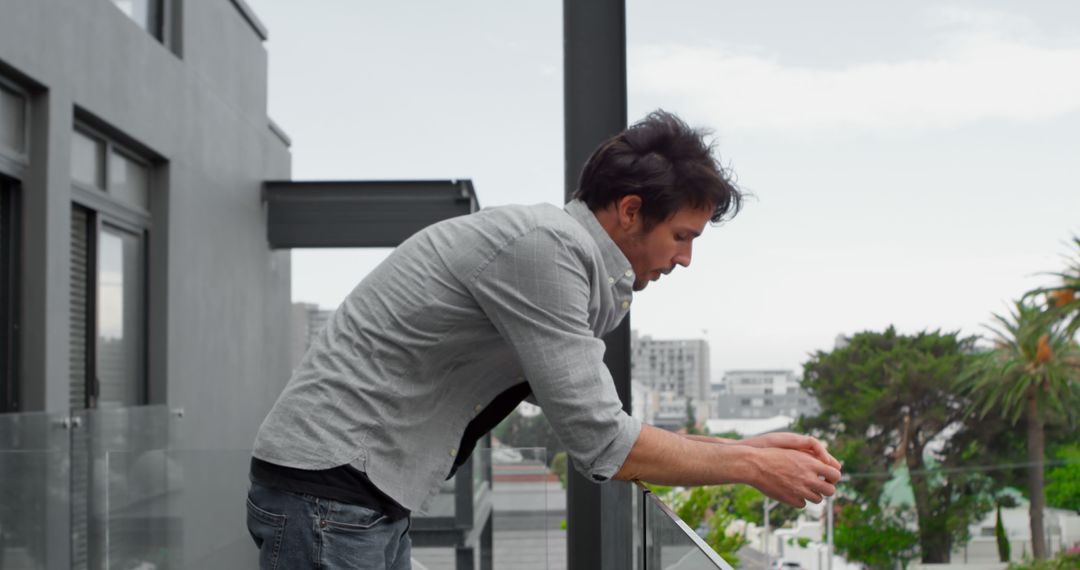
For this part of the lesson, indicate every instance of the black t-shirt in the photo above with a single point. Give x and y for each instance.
(348, 484)
(345, 484)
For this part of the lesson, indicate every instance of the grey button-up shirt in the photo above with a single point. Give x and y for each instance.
(460, 312)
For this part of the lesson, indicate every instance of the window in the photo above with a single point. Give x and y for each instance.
(12, 121)
(110, 228)
(147, 14)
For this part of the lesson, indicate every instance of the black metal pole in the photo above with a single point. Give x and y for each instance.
(599, 533)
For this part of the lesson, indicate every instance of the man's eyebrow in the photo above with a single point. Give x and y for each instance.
(691, 231)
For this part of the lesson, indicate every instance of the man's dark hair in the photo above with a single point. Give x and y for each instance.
(664, 162)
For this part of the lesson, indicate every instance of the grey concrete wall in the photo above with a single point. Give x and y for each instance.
(219, 297)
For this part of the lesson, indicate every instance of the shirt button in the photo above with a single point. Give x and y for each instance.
(610, 279)
(477, 408)
(453, 452)
(629, 273)
(626, 304)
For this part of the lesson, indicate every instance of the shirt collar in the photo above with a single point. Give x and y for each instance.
(614, 260)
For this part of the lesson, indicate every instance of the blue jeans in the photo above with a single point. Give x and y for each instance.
(302, 531)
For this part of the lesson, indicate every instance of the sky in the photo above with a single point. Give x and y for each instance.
(913, 164)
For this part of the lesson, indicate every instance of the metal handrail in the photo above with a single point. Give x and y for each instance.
(697, 541)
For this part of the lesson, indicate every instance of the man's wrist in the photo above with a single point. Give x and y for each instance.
(742, 462)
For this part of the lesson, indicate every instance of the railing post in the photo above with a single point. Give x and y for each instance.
(599, 532)
(829, 518)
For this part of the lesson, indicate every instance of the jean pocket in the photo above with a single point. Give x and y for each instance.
(267, 530)
(344, 517)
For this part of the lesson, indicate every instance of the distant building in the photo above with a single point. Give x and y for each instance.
(671, 372)
(761, 394)
(307, 320)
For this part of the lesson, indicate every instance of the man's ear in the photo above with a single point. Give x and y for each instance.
(629, 208)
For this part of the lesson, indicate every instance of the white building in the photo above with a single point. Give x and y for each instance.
(761, 394)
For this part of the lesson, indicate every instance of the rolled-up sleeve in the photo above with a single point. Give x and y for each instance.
(536, 291)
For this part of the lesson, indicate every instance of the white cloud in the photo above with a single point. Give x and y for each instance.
(976, 76)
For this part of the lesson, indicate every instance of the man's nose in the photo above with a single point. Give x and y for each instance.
(683, 257)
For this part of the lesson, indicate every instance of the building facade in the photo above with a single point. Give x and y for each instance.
(141, 305)
(761, 394)
(670, 374)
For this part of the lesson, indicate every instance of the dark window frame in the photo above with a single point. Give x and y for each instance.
(13, 163)
(9, 294)
(105, 210)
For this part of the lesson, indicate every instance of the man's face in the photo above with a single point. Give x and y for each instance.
(668, 243)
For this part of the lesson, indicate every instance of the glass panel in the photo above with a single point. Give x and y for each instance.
(519, 496)
(12, 120)
(129, 180)
(100, 433)
(119, 318)
(672, 545)
(178, 509)
(87, 160)
(529, 506)
(145, 13)
(34, 496)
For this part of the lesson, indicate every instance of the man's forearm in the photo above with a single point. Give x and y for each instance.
(793, 475)
(666, 458)
(710, 439)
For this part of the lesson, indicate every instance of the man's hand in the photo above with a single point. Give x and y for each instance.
(793, 476)
(803, 443)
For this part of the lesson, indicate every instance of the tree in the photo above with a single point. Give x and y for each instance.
(709, 508)
(1063, 300)
(879, 539)
(1031, 373)
(1063, 481)
(1004, 550)
(884, 397)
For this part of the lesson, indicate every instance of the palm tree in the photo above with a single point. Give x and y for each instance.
(1063, 301)
(1033, 372)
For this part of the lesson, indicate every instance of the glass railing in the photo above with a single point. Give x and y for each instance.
(669, 544)
(504, 510)
(34, 490)
(112, 489)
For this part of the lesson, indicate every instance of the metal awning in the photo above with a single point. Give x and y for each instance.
(360, 213)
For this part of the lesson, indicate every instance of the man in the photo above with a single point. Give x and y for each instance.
(469, 317)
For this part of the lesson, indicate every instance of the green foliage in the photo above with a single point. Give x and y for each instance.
(876, 538)
(883, 398)
(1033, 372)
(1068, 560)
(558, 466)
(691, 425)
(1063, 481)
(1004, 549)
(709, 506)
(706, 507)
(1063, 298)
(1030, 357)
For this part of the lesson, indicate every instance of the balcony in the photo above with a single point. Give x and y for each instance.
(120, 488)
